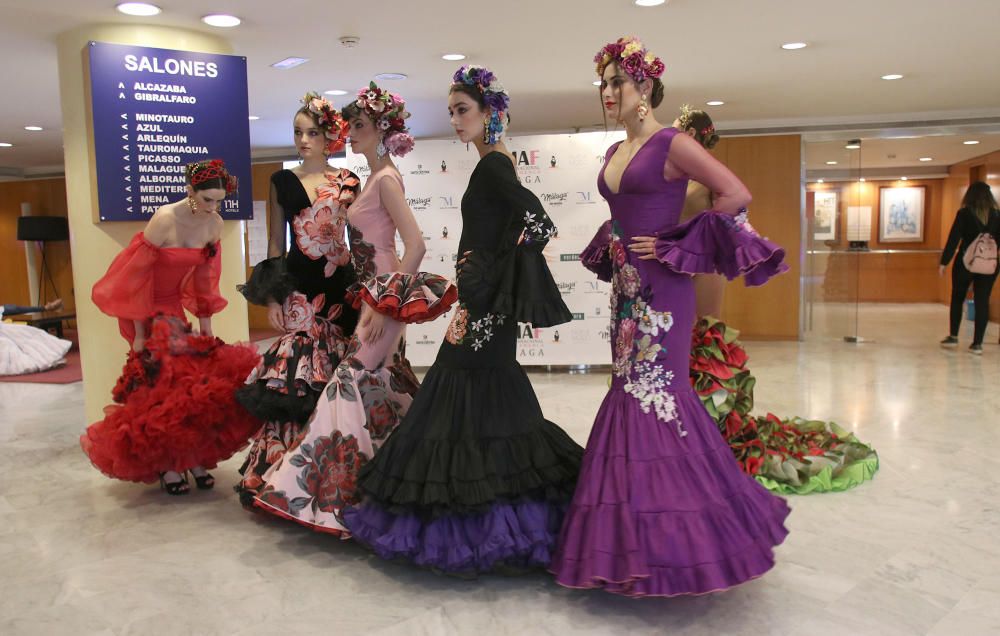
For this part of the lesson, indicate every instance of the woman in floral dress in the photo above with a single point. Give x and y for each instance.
(303, 290)
(373, 386)
(476, 479)
(661, 507)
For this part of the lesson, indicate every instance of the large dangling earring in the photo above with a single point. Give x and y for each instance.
(192, 204)
(487, 135)
(643, 109)
(380, 149)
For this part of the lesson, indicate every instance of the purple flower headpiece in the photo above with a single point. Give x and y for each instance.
(631, 57)
(494, 95)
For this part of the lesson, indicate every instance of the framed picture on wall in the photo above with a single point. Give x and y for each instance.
(825, 215)
(901, 214)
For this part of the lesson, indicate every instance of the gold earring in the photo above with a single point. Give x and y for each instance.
(643, 109)
(192, 204)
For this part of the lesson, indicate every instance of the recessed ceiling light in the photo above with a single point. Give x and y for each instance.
(453, 57)
(861, 180)
(892, 76)
(222, 20)
(819, 181)
(794, 46)
(902, 178)
(596, 82)
(852, 146)
(33, 128)
(4, 144)
(715, 102)
(970, 142)
(927, 158)
(253, 118)
(138, 8)
(335, 91)
(650, 3)
(290, 62)
(831, 163)
(390, 76)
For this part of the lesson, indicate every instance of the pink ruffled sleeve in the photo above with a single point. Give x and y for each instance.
(126, 290)
(200, 290)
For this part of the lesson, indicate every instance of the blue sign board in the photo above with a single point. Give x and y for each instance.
(155, 111)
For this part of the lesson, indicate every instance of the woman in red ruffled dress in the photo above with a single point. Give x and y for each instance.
(373, 386)
(175, 411)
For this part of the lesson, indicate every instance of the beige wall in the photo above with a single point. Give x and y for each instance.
(94, 245)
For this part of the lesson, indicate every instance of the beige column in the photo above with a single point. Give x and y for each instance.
(93, 244)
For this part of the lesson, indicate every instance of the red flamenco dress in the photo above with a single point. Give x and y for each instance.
(174, 402)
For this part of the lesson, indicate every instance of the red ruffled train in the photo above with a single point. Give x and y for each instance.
(175, 406)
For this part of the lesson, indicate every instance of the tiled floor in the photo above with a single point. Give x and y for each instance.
(913, 552)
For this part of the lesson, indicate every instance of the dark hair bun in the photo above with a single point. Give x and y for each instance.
(710, 141)
(657, 97)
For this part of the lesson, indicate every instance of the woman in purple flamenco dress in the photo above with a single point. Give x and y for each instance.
(661, 507)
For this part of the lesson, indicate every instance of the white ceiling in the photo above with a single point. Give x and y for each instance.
(542, 51)
(899, 154)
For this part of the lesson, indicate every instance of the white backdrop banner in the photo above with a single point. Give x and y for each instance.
(562, 171)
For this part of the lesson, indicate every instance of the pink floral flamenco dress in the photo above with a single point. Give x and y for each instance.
(371, 389)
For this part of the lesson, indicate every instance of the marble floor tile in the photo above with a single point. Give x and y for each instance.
(912, 552)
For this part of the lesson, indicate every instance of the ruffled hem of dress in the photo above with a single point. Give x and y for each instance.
(610, 565)
(178, 408)
(442, 477)
(518, 534)
(408, 298)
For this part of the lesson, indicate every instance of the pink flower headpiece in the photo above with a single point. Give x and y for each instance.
(329, 121)
(388, 112)
(631, 57)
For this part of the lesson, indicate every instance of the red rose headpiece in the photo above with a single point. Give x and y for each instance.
(202, 171)
(330, 121)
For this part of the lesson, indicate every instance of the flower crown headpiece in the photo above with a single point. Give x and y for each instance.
(388, 112)
(494, 95)
(631, 57)
(687, 113)
(329, 120)
(201, 171)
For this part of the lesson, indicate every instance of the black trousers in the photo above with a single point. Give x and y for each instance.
(982, 285)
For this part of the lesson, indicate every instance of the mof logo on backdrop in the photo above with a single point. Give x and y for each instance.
(562, 171)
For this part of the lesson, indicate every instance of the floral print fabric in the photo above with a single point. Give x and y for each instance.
(320, 230)
(639, 334)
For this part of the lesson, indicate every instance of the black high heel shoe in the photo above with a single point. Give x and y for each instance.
(174, 487)
(205, 482)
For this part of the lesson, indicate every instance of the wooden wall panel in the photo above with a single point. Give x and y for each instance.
(261, 177)
(47, 198)
(770, 166)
